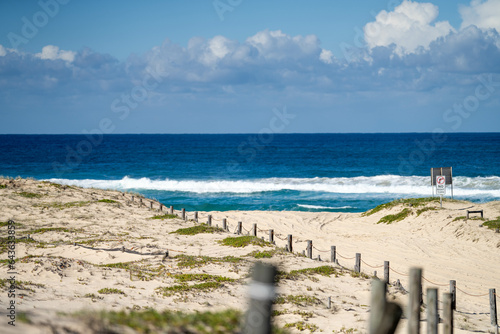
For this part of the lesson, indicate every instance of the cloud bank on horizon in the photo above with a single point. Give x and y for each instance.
(403, 75)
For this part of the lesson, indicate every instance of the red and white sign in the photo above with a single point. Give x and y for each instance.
(441, 184)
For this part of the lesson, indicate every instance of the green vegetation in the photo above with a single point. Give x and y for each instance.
(355, 274)
(56, 185)
(197, 229)
(301, 326)
(295, 274)
(61, 206)
(29, 195)
(305, 315)
(3, 186)
(165, 216)
(190, 261)
(244, 241)
(109, 291)
(299, 300)
(493, 224)
(152, 321)
(344, 330)
(459, 218)
(389, 219)
(5, 284)
(50, 229)
(17, 225)
(266, 253)
(107, 201)
(182, 288)
(414, 202)
(119, 265)
(420, 211)
(201, 278)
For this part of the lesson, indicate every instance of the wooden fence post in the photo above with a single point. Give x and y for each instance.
(271, 236)
(254, 230)
(151, 205)
(453, 291)
(447, 313)
(357, 266)
(432, 311)
(161, 207)
(386, 271)
(183, 214)
(289, 243)
(224, 224)
(414, 302)
(384, 316)
(171, 209)
(240, 226)
(329, 303)
(377, 304)
(333, 254)
(258, 315)
(196, 216)
(132, 198)
(309, 249)
(493, 308)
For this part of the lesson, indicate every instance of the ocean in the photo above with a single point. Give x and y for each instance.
(301, 172)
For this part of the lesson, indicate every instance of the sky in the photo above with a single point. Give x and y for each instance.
(241, 66)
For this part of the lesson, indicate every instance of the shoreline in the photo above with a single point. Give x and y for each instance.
(57, 216)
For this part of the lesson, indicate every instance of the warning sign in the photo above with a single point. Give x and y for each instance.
(441, 184)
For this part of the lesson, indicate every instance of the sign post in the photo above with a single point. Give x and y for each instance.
(441, 187)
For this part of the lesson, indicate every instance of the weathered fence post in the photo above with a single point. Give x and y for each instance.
(453, 291)
(132, 198)
(447, 313)
(254, 230)
(289, 243)
(196, 216)
(333, 254)
(414, 302)
(224, 224)
(493, 308)
(357, 266)
(151, 205)
(384, 316)
(329, 303)
(432, 311)
(140, 201)
(209, 221)
(386, 271)
(183, 214)
(377, 304)
(309, 249)
(258, 315)
(271, 236)
(161, 207)
(171, 209)
(240, 226)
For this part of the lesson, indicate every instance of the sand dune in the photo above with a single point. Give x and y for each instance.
(73, 230)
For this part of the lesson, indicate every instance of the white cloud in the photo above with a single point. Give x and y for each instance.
(277, 45)
(482, 14)
(326, 56)
(52, 52)
(3, 51)
(410, 27)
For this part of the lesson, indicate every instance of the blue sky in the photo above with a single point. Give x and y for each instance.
(232, 66)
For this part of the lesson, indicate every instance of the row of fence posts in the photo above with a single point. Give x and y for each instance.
(383, 313)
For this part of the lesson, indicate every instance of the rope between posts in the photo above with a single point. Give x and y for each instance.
(425, 279)
(323, 251)
(374, 267)
(469, 294)
(398, 272)
(347, 258)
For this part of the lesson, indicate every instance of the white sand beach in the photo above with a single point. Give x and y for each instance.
(63, 266)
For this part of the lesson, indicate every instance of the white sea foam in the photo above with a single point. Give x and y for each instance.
(381, 184)
(320, 207)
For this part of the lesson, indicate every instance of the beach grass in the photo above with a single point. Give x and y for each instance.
(29, 195)
(201, 278)
(197, 230)
(298, 300)
(414, 202)
(493, 224)
(109, 291)
(190, 261)
(244, 241)
(389, 219)
(165, 216)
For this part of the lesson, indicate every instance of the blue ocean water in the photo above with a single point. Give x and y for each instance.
(308, 172)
